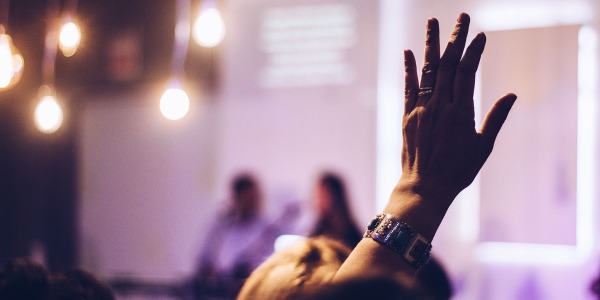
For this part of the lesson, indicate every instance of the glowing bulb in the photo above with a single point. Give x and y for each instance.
(69, 38)
(48, 115)
(174, 104)
(209, 28)
(11, 63)
(5, 62)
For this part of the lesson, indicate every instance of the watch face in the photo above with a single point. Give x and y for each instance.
(418, 249)
(401, 239)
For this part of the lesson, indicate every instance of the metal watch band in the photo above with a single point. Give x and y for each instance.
(401, 238)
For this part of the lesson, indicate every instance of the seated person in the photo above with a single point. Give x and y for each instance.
(240, 239)
(334, 218)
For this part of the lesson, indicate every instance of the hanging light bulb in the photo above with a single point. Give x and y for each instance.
(69, 38)
(174, 103)
(11, 62)
(48, 113)
(209, 28)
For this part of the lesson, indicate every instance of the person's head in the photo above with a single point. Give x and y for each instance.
(288, 273)
(21, 278)
(595, 287)
(246, 195)
(304, 270)
(78, 285)
(330, 195)
(434, 278)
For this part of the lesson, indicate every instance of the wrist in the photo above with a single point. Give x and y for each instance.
(415, 187)
(419, 205)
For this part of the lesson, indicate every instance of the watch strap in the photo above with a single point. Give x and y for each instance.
(401, 238)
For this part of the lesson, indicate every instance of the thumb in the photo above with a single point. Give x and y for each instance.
(492, 124)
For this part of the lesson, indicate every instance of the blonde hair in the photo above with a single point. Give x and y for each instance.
(289, 273)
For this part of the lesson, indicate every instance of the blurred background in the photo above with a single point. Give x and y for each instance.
(116, 151)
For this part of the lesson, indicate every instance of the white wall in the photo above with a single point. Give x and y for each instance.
(146, 185)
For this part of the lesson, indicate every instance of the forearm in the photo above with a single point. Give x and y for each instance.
(408, 205)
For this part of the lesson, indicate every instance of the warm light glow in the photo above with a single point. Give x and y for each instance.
(5, 62)
(11, 63)
(174, 104)
(69, 38)
(209, 28)
(48, 115)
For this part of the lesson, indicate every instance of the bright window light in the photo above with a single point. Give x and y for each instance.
(553, 254)
(389, 109)
(499, 16)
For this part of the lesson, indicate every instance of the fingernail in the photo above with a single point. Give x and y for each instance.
(513, 99)
(480, 37)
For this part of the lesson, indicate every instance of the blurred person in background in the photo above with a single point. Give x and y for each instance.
(25, 279)
(240, 238)
(334, 218)
(22, 278)
(595, 287)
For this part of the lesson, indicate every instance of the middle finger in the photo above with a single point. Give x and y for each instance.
(447, 65)
(432, 59)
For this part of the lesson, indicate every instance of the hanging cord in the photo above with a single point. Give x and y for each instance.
(182, 37)
(51, 43)
(4, 8)
(71, 6)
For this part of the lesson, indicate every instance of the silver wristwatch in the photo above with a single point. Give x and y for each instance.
(401, 238)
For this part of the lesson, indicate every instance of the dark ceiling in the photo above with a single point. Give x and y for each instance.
(101, 21)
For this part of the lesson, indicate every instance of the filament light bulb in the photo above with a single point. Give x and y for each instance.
(174, 104)
(48, 115)
(69, 38)
(209, 28)
(11, 62)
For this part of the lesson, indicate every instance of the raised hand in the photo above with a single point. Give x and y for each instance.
(442, 151)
